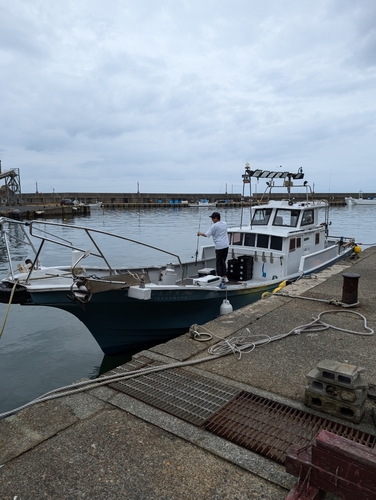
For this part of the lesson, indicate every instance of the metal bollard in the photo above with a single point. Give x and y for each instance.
(350, 288)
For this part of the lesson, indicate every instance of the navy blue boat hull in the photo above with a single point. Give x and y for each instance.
(120, 323)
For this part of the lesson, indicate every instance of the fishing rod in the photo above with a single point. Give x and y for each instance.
(198, 237)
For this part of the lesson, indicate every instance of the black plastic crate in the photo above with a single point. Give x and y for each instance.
(245, 276)
(246, 259)
(233, 262)
(246, 267)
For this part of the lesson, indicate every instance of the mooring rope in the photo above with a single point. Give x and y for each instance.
(8, 308)
(236, 345)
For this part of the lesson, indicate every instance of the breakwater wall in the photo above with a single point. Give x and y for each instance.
(160, 199)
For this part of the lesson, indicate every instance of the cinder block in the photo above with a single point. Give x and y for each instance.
(355, 397)
(340, 394)
(338, 409)
(342, 374)
(316, 375)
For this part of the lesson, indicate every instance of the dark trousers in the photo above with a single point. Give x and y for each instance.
(220, 264)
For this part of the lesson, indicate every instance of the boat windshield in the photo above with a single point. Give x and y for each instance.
(261, 216)
(286, 217)
(308, 217)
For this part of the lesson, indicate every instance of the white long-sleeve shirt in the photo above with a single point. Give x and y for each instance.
(218, 231)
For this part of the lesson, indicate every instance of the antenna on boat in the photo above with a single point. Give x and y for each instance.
(246, 180)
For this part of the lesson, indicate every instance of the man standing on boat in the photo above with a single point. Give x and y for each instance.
(218, 230)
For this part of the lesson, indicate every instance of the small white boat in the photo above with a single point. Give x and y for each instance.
(371, 200)
(95, 206)
(128, 307)
(203, 203)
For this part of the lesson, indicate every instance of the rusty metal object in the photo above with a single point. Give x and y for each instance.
(350, 288)
(335, 465)
(270, 428)
(256, 423)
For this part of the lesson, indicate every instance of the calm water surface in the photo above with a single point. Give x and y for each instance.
(42, 348)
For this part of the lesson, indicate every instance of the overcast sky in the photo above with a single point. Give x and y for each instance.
(177, 95)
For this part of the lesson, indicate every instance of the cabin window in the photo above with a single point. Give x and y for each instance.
(261, 216)
(262, 240)
(237, 238)
(292, 245)
(286, 217)
(275, 243)
(308, 217)
(249, 240)
(298, 242)
(317, 238)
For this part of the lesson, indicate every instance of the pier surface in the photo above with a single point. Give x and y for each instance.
(109, 443)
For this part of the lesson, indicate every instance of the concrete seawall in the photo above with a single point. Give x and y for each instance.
(126, 199)
(37, 205)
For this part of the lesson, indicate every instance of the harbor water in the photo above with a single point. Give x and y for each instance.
(43, 348)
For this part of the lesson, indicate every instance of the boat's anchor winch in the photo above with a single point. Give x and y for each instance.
(82, 294)
(83, 288)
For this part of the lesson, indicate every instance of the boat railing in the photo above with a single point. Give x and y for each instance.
(39, 230)
(13, 230)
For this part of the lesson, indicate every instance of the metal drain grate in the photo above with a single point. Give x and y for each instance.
(270, 429)
(180, 393)
(253, 422)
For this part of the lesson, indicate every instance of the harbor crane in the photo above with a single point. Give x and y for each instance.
(12, 192)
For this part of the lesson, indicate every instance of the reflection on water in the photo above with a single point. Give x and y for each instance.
(42, 348)
(111, 362)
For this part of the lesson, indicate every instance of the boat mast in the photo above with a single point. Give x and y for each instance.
(246, 180)
(267, 174)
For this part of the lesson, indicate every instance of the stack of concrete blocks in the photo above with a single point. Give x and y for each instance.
(337, 389)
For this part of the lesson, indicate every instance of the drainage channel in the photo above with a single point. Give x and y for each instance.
(253, 422)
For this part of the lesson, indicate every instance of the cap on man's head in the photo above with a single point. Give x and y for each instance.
(216, 215)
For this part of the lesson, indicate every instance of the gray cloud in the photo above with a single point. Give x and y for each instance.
(179, 95)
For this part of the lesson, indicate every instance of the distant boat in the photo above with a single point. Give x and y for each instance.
(371, 200)
(77, 204)
(96, 205)
(203, 203)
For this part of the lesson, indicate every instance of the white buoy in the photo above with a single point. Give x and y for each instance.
(225, 308)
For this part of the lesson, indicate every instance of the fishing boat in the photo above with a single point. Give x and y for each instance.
(95, 206)
(371, 200)
(203, 203)
(128, 307)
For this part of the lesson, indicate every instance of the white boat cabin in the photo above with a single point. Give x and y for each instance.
(280, 235)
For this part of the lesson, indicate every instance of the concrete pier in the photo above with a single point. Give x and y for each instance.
(107, 444)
